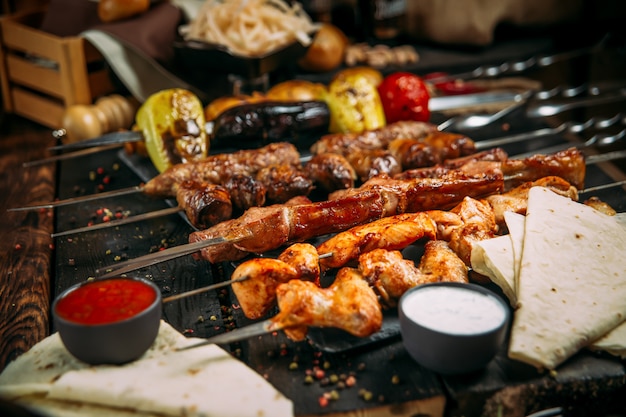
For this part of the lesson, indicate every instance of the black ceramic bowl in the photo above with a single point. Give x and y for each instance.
(108, 321)
(452, 328)
(212, 57)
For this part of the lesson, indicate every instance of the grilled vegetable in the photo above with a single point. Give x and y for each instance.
(172, 122)
(354, 104)
(404, 96)
(255, 124)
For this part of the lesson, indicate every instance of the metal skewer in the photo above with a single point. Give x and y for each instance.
(257, 329)
(64, 156)
(218, 285)
(168, 254)
(120, 222)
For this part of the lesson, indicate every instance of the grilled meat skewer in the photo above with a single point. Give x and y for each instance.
(280, 224)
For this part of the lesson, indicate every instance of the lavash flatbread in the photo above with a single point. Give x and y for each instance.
(572, 280)
(494, 258)
(197, 382)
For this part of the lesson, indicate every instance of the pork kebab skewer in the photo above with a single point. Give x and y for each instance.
(381, 197)
(207, 204)
(219, 168)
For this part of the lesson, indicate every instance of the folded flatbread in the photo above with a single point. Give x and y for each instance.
(494, 258)
(572, 280)
(197, 382)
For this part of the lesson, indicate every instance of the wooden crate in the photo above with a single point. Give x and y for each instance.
(42, 74)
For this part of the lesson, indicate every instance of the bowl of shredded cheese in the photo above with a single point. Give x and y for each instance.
(245, 37)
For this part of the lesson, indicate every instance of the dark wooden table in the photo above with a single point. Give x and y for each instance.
(34, 268)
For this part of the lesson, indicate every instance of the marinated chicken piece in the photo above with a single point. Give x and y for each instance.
(245, 192)
(516, 200)
(600, 205)
(218, 168)
(283, 182)
(331, 172)
(391, 275)
(440, 264)
(305, 258)
(257, 278)
(394, 232)
(256, 292)
(349, 303)
(479, 223)
(347, 143)
(568, 164)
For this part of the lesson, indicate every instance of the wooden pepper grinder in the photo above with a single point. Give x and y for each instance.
(107, 114)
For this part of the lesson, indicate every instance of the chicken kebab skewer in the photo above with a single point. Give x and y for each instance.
(352, 302)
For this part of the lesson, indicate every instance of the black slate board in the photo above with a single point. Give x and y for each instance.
(382, 369)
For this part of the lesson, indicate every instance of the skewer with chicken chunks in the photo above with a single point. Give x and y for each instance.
(255, 281)
(391, 275)
(349, 304)
(355, 300)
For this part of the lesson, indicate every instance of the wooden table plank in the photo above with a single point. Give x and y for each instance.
(25, 245)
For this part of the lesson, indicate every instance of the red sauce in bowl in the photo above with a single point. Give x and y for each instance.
(105, 301)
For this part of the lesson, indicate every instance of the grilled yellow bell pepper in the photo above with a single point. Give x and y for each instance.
(354, 104)
(173, 125)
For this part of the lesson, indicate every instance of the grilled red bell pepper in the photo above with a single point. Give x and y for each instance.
(404, 96)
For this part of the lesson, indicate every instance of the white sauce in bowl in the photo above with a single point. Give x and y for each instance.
(454, 310)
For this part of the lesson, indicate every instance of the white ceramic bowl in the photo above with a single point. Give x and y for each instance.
(453, 328)
(108, 321)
